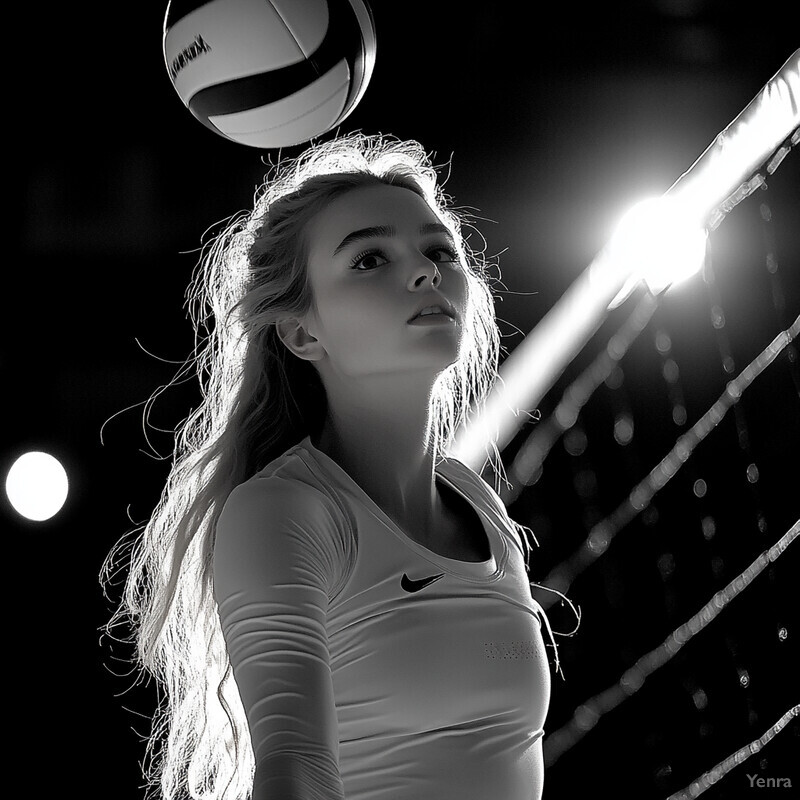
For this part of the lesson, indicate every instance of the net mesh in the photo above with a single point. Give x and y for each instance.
(711, 519)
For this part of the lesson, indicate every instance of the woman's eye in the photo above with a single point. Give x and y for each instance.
(369, 260)
(444, 254)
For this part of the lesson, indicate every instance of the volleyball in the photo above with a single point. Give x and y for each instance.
(269, 73)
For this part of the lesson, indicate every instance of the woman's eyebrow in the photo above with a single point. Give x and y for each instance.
(387, 230)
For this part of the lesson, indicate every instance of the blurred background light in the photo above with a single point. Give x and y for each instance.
(37, 486)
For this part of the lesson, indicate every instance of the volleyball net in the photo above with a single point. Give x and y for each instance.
(737, 164)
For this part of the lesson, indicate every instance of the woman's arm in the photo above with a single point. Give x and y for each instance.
(271, 586)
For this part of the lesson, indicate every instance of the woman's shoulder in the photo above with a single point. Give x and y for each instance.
(471, 482)
(287, 477)
(288, 491)
(281, 492)
(483, 495)
(286, 513)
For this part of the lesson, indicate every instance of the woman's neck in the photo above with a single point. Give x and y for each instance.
(388, 462)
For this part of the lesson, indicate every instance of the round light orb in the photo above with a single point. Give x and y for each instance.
(37, 486)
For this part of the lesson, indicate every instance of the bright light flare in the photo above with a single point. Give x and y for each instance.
(659, 242)
(662, 243)
(37, 486)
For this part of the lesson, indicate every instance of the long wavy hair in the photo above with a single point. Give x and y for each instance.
(258, 400)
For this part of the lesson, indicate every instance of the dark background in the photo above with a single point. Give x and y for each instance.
(557, 117)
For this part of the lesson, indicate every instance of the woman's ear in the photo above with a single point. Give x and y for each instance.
(295, 336)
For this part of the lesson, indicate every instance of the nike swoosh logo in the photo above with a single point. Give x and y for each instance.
(415, 586)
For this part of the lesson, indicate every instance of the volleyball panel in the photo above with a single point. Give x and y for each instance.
(291, 120)
(225, 40)
(306, 20)
(364, 62)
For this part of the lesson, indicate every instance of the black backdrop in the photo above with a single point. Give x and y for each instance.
(556, 121)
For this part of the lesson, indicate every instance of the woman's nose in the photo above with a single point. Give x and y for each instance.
(425, 268)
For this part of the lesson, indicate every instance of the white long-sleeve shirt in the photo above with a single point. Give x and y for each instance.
(369, 666)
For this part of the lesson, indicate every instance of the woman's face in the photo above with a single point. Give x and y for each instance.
(373, 259)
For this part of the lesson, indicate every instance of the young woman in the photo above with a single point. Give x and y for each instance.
(335, 608)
